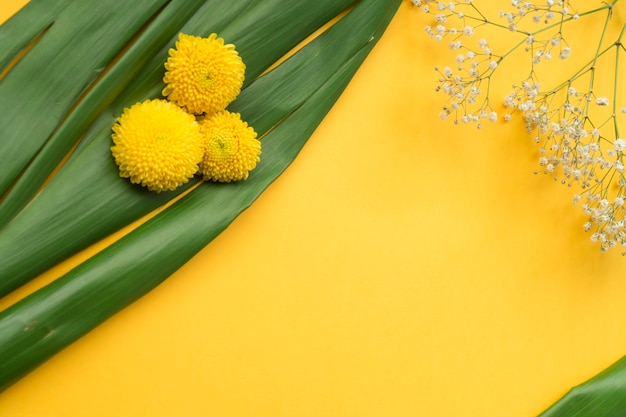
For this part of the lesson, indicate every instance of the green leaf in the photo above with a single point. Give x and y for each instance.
(24, 27)
(602, 396)
(151, 42)
(70, 213)
(44, 85)
(48, 320)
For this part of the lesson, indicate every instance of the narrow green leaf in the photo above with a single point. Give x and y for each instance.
(42, 324)
(602, 396)
(71, 213)
(23, 27)
(214, 15)
(151, 42)
(43, 86)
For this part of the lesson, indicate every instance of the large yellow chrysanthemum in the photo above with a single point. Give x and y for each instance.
(157, 144)
(231, 148)
(203, 74)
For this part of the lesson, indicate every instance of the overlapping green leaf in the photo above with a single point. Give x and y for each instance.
(44, 85)
(24, 27)
(45, 322)
(602, 396)
(71, 213)
(115, 80)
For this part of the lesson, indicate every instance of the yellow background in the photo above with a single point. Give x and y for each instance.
(402, 266)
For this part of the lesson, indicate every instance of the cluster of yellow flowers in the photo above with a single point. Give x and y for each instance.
(161, 144)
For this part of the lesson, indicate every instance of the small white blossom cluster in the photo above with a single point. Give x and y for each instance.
(467, 81)
(538, 12)
(576, 129)
(575, 152)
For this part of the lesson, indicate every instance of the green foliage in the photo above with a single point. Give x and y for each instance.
(87, 200)
(602, 396)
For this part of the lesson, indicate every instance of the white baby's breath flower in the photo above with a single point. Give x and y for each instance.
(602, 101)
(574, 147)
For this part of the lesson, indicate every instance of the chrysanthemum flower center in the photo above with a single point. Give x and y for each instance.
(206, 79)
(231, 148)
(223, 147)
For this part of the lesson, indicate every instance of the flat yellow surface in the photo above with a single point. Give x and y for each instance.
(402, 266)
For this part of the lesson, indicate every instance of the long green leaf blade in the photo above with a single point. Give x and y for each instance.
(70, 213)
(40, 90)
(51, 318)
(602, 396)
(151, 42)
(24, 26)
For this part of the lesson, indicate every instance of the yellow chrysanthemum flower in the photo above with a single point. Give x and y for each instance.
(203, 74)
(231, 148)
(157, 144)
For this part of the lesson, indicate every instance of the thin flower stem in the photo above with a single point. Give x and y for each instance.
(618, 46)
(589, 66)
(484, 20)
(594, 61)
(560, 23)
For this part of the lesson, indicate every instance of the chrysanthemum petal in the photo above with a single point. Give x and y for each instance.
(231, 148)
(203, 75)
(157, 144)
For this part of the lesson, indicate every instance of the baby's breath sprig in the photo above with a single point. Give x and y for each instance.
(576, 121)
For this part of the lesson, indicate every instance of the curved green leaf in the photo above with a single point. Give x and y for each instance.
(114, 81)
(44, 85)
(70, 213)
(602, 396)
(24, 27)
(43, 323)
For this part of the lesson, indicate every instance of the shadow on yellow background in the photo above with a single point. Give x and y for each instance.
(402, 266)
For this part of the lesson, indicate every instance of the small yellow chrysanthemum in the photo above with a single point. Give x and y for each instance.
(203, 75)
(231, 148)
(157, 144)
